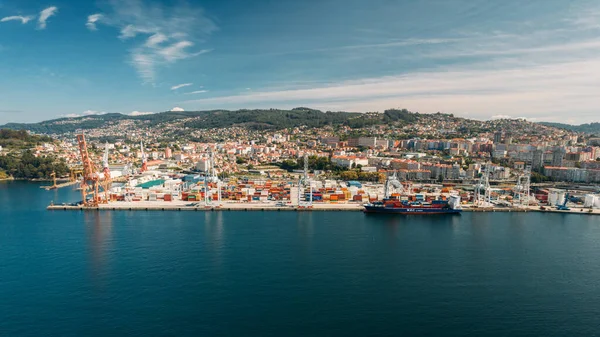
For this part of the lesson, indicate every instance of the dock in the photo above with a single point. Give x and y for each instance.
(241, 207)
(54, 187)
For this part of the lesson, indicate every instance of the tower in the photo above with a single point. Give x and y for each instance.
(557, 156)
(497, 137)
(538, 160)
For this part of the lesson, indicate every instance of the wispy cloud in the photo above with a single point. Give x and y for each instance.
(170, 33)
(478, 92)
(144, 64)
(196, 92)
(177, 109)
(23, 19)
(502, 117)
(179, 86)
(156, 39)
(92, 20)
(85, 113)
(140, 113)
(534, 70)
(369, 46)
(45, 15)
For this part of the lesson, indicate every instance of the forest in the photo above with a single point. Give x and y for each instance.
(258, 119)
(28, 166)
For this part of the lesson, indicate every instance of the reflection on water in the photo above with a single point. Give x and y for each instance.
(214, 231)
(99, 232)
(304, 221)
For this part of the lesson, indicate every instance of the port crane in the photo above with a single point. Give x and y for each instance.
(484, 185)
(522, 189)
(54, 185)
(563, 207)
(107, 182)
(392, 182)
(91, 180)
(144, 163)
(211, 177)
(303, 183)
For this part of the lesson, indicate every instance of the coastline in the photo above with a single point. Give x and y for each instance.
(153, 207)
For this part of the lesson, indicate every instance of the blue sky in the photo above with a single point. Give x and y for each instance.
(538, 59)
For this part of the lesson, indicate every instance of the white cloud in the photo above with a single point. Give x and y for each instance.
(502, 117)
(177, 109)
(140, 113)
(23, 19)
(156, 39)
(85, 113)
(542, 74)
(170, 33)
(479, 92)
(175, 51)
(144, 64)
(196, 92)
(45, 14)
(179, 86)
(91, 21)
(131, 31)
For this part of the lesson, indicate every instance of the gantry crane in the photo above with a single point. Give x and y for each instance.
(107, 182)
(90, 179)
(144, 164)
(303, 183)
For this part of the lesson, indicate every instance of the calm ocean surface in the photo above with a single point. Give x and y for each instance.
(292, 274)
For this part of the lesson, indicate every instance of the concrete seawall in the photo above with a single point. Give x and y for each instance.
(266, 208)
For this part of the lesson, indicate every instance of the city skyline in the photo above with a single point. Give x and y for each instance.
(483, 61)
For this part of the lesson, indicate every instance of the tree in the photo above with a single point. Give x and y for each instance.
(28, 166)
(539, 178)
(349, 175)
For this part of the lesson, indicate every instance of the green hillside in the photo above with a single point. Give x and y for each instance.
(592, 128)
(252, 119)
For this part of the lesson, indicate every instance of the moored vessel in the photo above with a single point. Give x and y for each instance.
(395, 206)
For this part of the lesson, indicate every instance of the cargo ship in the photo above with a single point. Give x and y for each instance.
(396, 206)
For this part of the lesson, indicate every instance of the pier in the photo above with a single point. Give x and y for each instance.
(240, 207)
(57, 186)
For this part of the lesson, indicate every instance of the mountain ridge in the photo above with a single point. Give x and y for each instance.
(257, 119)
(254, 119)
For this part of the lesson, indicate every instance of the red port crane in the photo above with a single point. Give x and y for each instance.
(90, 179)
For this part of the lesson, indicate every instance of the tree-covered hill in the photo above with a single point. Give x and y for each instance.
(20, 139)
(253, 119)
(592, 128)
(28, 166)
